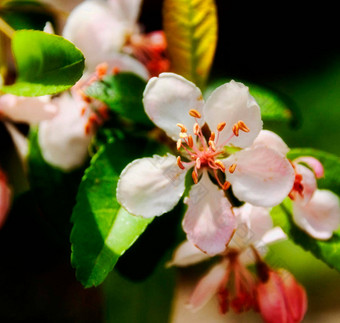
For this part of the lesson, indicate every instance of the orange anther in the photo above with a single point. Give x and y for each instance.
(87, 128)
(243, 126)
(183, 135)
(220, 165)
(198, 163)
(179, 144)
(115, 70)
(194, 113)
(190, 141)
(221, 126)
(212, 136)
(183, 128)
(83, 110)
(298, 177)
(235, 129)
(194, 177)
(212, 145)
(232, 168)
(84, 97)
(101, 70)
(196, 129)
(179, 163)
(226, 185)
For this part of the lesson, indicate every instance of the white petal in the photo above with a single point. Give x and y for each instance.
(271, 140)
(27, 109)
(167, 101)
(127, 10)
(121, 62)
(313, 163)
(151, 186)
(96, 30)
(253, 223)
(308, 182)
(320, 217)
(209, 221)
(49, 28)
(231, 103)
(63, 141)
(186, 254)
(263, 177)
(208, 286)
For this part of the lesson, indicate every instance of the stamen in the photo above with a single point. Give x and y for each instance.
(220, 165)
(84, 97)
(179, 163)
(196, 129)
(115, 70)
(190, 141)
(194, 113)
(212, 145)
(101, 70)
(232, 168)
(183, 135)
(226, 185)
(179, 144)
(243, 126)
(221, 126)
(198, 163)
(298, 177)
(236, 129)
(212, 136)
(194, 176)
(183, 128)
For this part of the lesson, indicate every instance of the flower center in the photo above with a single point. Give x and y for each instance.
(204, 154)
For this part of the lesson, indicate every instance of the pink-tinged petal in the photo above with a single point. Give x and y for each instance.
(5, 198)
(271, 140)
(207, 286)
(320, 217)
(274, 235)
(263, 177)
(127, 10)
(308, 182)
(63, 140)
(253, 223)
(271, 300)
(209, 221)
(168, 100)
(27, 109)
(313, 163)
(281, 298)
(186, 254)
(231, 103)
(296, 297)
(96, 30)
(151, 186)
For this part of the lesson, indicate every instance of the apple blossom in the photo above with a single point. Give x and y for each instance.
(315, 211)
(103, 30)
(152, 186)
(229, 280)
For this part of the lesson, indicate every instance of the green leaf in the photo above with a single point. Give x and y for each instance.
(328, 251)
(330, 162)
(123, 94)
(55, 191)
(46, 64)
(190, 27)
(274, 106)
(26, 14)
(102, 230)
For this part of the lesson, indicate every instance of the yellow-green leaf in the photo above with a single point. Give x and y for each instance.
(190, 27)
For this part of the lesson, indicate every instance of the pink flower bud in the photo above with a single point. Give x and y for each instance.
(5, 197)
(281, 299)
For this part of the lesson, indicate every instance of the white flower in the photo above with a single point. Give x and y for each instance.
(315, 211)
(152, 186)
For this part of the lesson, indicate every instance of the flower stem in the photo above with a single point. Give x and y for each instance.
(6, 28)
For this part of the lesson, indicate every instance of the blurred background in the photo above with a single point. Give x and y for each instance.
(290, 48)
